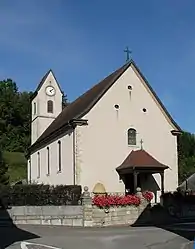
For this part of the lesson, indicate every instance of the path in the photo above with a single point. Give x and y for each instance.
(100, 238)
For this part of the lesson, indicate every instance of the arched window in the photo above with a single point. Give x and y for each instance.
(38, 165)
(48, 162)
(35, 109)
(131, 136)
(50, 106)
(59, 157)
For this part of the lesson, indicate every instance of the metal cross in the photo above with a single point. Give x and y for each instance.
(128, 52)
(141, 142)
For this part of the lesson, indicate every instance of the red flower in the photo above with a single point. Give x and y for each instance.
(115, 200)
(120, 200)
(148, 195)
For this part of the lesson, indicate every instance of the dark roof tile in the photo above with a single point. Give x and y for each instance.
(140, 159)
(82, 105)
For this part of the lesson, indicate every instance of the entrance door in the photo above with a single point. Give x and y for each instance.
(129, 182)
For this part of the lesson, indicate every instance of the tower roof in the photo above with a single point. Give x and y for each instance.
(43, 81)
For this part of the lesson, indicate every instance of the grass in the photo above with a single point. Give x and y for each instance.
(17, 165)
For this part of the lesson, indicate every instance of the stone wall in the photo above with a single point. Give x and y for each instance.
(47, 215)
(86, 215)
(116, 215)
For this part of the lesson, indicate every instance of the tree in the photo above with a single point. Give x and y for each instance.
(186, 155)
(64, 100)
(15, 121)
(4, 177)
(15, 117)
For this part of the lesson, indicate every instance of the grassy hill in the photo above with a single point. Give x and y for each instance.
(17, 165)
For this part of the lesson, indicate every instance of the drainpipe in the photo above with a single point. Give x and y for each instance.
(74, 156)
(71, 125)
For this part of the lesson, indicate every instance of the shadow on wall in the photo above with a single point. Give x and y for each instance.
(148, 182)
(10, 233)
(159, 217)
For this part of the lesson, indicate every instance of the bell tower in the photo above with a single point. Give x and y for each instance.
(46, 105)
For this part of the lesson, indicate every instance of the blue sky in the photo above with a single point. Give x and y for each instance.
(83, 41)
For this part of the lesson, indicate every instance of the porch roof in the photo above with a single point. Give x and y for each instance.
(141, 160)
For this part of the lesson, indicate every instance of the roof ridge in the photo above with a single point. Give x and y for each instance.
(83, 104)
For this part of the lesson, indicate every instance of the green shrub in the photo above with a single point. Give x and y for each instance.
(40, 195)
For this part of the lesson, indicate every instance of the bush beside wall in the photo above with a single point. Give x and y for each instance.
(40, 195)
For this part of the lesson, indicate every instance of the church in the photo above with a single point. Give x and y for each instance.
(117, 134)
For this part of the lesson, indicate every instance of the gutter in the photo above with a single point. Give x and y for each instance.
(176, 132)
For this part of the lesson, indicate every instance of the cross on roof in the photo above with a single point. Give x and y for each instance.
(128, 52)
(141, 142)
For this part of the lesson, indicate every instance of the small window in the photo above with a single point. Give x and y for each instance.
(50, 106)
(48, 162)
(35, 109)
(116, 106)
(129, 87)
(59, 157)
(38, 165)
(131, 136)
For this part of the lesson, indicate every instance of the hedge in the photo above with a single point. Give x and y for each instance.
(39, 195)
(180, 197)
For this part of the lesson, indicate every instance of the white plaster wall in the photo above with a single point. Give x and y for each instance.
(55, 177)
(103, 143)
(42, 119)
(39, 125)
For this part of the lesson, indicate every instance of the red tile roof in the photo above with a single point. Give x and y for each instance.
(141, 159)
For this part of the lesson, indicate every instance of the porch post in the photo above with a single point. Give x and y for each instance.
(162, 182)
(135, 180)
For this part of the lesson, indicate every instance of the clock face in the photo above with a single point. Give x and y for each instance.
(50, 90)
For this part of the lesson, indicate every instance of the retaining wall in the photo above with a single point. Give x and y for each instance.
(116, 215)
(86, 215)
(46, 215)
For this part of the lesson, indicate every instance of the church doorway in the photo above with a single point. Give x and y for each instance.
(138, 170)
(129, 182)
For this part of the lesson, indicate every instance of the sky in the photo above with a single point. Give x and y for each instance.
(83, 41)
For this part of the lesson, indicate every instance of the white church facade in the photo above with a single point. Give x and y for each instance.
(118, 134)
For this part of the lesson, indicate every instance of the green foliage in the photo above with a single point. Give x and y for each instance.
(4, 177)
(17, 165)
(15, 120)
(40, 195)
(15, 115)
(64, 100)
(186, 155)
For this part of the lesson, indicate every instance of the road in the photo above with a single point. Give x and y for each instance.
(41, 237)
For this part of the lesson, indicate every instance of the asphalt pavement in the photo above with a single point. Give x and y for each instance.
(54, 237)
